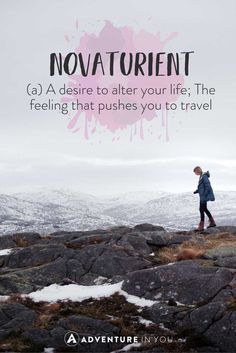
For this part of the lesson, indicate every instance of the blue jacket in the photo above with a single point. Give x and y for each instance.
(204, 188)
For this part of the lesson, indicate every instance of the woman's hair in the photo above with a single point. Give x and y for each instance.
(197, 169)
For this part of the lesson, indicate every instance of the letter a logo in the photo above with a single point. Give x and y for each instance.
(71, 338)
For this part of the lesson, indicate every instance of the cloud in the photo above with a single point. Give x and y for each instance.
(230, 163)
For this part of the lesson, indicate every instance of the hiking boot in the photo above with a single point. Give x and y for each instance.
(200, 226)
(211, 223)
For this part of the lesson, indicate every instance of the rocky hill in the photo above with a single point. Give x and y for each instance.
(123, 281)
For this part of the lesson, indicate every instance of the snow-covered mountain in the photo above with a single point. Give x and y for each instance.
(47, 210)
(180, 211)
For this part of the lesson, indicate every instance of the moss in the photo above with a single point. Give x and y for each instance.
(207, 263)
(21, 243)
(231, 304)
(113, 305)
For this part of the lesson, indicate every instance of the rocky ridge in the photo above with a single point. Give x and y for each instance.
(189, 276)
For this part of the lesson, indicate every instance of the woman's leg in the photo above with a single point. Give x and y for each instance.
(201, 224)
(208, 213)
(212, 223)
(202, 208)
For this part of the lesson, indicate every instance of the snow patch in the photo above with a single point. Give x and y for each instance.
(100, 280)
(145, 321)
(5, 252)
(49, 350)
(3, 298)
(76, 292)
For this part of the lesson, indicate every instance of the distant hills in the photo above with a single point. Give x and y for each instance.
(46, 210)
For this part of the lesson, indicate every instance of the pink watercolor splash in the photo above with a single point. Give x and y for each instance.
(122, 39)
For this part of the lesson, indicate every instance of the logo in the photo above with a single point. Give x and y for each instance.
(71, 338)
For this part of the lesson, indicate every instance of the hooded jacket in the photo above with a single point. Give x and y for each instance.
(204, 188)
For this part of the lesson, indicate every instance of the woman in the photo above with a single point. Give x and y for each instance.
(205, 192)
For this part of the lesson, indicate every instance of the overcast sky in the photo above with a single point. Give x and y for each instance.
(38, 149)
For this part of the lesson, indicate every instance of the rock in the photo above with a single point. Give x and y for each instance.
(205, 349)
(157, 237)
(200, 319)
(164, 314)
(192, 298)
(111, 263)
(223, 331)
(221, 229)
(36, 255)
(107, 261)
(26, 239)
(226, 262)
(90, 239)
(176, 239)
(212, 230)
(87, 326)
(41, 338)
(7, 242)
(134, 243)
(120, 230)
(15, 318)
(184, 282)
(75, 270)
(147, 227)
(41, 265)
(228, 229)
(28, 280)
(220, 252)
(226, 294)
(38, 337)
(69, 234)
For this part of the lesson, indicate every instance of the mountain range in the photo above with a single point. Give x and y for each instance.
(47, 210)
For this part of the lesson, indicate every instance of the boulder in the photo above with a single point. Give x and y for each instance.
(161, 313)
(157, 237)
(89, 239)
(38, 337)
(36, 255)
(26, 239)
(200, 319)
(134, 243)
(176, 239)
(219, 252)
(108, 261)
(87, 326)
(7, 242)
(228, 229)
(113, 263)
(186, 282)
(147, 227)
(28, 280)
(229, 262)
(223, 331)
(15, 318)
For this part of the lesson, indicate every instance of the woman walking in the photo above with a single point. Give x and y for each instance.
(205, 192)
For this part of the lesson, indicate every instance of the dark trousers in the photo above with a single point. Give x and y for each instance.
(203, 209)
